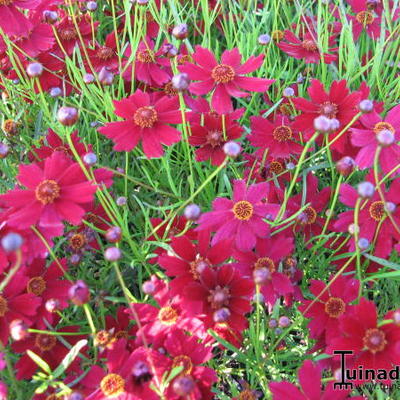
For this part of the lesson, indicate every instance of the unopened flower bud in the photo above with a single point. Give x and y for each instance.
(284, 322)
(79, 293)
(91, 6)
(385, 137)
(148, 287)
(221, 315)
(264, 39)
(180, 82)
(4, 150)
(113, 234)
(288, 92)
(112, 254)
(390, 207)
(232, 149)
(183, 385)
(34, 69)
(345, 166)
(365, 190)
(55, 92)
(261, 275)
(396, 317)
(18, 329)
(11, 242)
(106, 77)
(273, 323)
(192, 212)
(366, 106)
(90, 159)
(88, 78)
(278, 331)
(322, 124)
(363, 243)
(52, 305)
(121, 201)
(50, 17)
(67, 116)
(75, 259)
(169, 50)
(180, 31)
(335, 124)
(353, 229)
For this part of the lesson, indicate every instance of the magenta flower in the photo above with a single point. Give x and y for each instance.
(242, 217)
(226, 78)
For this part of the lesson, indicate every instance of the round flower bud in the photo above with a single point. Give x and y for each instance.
(396, 317)
(52, 305)
(95, 124)
(232, 149)
(385, 137)
(221, 315)
(183, 385)
(366, 106)
(50, 17)
(192, 212)
(353, 229)
(273, 323)
(113, 234)
(180, 31)
(112, 254)
(148, 287)
(322, 124)
(141, 2)
(34, 69)
(335, 124)
(288, 92)
(18, 329)
(16, 81)
(363, 243)
(106, 77)
(390, 207)
(261, 275)
(258, 298)
(365, 190)
(264, 39)
(284, 322)
(180, 82)
(345, 166)
(290, 166)
(11, 242)
(278, 331)
(169, 50)
(75, 259)
(55, 92)
(91, 6)
(140, 370)
(79, 293)
(4, 150)
(90, 159)
(121, 201)
(67, 116)
(88, 78)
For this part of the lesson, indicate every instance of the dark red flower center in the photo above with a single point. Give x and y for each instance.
(198, 266)
(105, 53)
(247, 395)
(276, 167)
(309, 45)
(309, 215)
(182, 59)
(219, 297)
(3, 306)
(145, 56)
(112, 385)
(335, 307)
(68, 33)
(265, 262)
(223, 73)
(145, 117)
(243, 210)
(47, 191)
(77, 241)
(36, 285)
(6, 2)
(170, 90)
(365, 17)
(185, 362)
(215, 138)
(282, 133)
(121, 335)
(168, 315)
(10, 127)
(45, 342)
(381, 126)
(377, 210)
(374, 340)
(328, 109)
(102, 338)
(285, 109)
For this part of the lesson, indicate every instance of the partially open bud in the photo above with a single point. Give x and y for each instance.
(365, 190)
(106, 77)
(113, 234)
(88, 78)
(180, 82)
(345, 166)
(183, 385)
(67, 116)
(180, 31)
(353, 229)
(34, 69)
(18, 329)
(169, 50)
(366, 106)
(50, 17)
(52, 305)
(112, 254)
(261, 276)
(192, 212)
(79, 293)
(221, 315)
(11, 242)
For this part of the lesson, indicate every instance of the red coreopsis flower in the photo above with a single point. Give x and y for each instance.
(151, 67)
(190, 259)
(105, 56)
(372, 216)
(378, 132)
(15, 303)
(227, 77)
(338, 103)
(46, 283)
(187, 352)
(330, 306)
(47, 347)
(223, 296)
(12, 21)
(374, 345)
(268, 253)
(54, 194)
(211, 136)
(242, 217)
(145, 120)
(277, 136)
(366, 18)
(310, 387)
(129, 375)
(307, 48)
